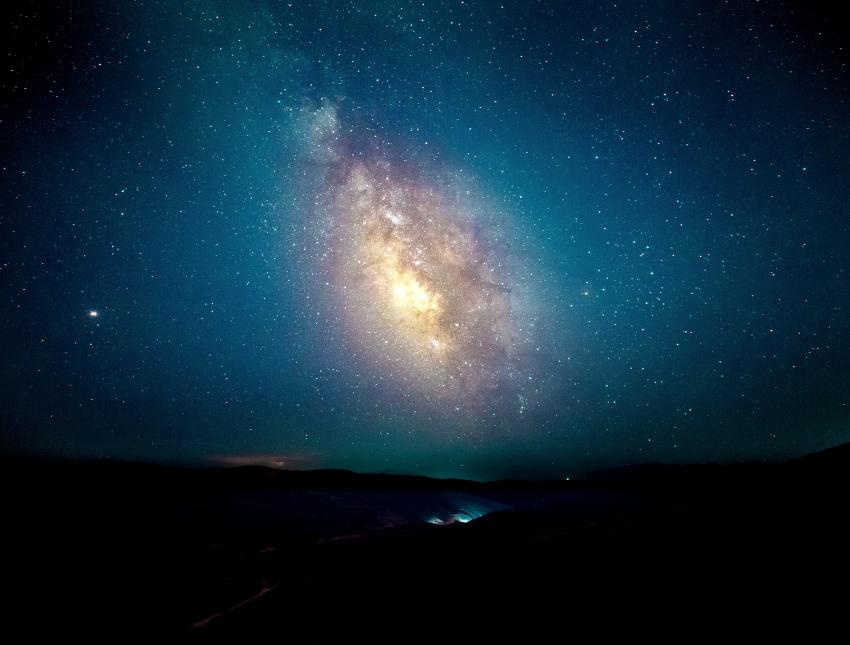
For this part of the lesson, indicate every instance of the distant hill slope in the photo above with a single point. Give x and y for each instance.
(102, 547)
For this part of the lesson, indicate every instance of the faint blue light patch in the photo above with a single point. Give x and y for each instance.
(457, 507)
(467, 515)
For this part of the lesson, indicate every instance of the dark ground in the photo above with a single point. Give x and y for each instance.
(123, 551)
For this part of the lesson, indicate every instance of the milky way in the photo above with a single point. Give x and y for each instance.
(424, 286)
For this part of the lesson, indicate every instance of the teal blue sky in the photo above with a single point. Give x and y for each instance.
(669, 178)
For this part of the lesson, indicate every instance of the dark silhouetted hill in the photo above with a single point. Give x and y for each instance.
(109, 548)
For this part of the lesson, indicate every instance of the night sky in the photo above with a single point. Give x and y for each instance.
(475, 239)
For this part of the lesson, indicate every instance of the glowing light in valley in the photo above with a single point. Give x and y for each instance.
(463, 509)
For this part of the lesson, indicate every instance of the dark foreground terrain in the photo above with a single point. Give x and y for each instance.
(126, 551)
